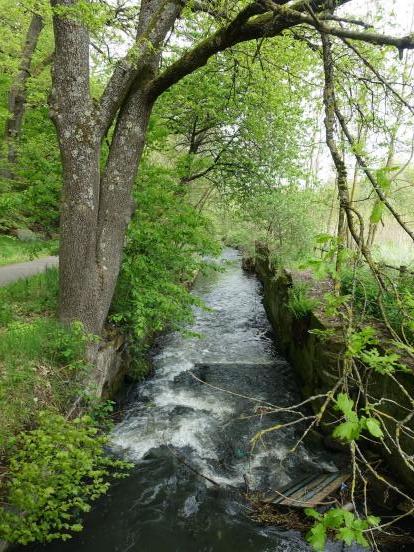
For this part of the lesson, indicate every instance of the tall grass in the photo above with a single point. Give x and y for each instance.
(13, 250)
(41, 363)
(29, 297)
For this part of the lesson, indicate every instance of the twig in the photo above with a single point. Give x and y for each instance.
(191, 468)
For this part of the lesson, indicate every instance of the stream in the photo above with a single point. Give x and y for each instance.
(179, 431)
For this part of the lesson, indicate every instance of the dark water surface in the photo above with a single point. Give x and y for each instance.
(173, 418)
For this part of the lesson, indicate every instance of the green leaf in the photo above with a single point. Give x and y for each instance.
(374, 427)
(383, 180)
(345, 404)
(334, 518)
(316, 537)
(383, 364)
(377, 212)
(347, 431)
(373, 520)
(311, 512)
(349, 518)
(358, 341)
(347, 535)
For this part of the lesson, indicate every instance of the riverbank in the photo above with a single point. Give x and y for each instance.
(46, 369)
(313, 342)
(53, 394)
(194, 419)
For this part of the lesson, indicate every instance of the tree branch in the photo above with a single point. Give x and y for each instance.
(329, 101)
(346, 20)
(252, 23)
(141, 57)
(292, 14)
(378, 75)
(265, 23)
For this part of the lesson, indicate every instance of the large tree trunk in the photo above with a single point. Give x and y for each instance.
(97, 204)
(17, 95)
(116, 204)
(79, 141)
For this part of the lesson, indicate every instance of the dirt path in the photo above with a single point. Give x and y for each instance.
(13, 272)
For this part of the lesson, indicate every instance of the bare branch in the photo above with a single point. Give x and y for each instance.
(346, 20)
(378, 75)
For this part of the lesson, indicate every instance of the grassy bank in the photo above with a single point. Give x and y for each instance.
(51, 466)
(13, 250)
(40, 362)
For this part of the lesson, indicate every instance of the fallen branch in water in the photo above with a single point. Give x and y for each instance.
(191, 468)
(265, 404)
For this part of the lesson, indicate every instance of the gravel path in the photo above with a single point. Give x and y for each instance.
(10, 273)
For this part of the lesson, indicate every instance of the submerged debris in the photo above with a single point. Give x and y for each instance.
(310, 491)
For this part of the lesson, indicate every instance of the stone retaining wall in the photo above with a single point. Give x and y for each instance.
(317, 363)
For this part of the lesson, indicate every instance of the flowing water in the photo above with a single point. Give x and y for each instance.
(179, 431)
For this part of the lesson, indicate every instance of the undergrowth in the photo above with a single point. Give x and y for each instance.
(41, 362)
(41, 365)
(396, 301)
(167, 244)
(51, 467)
(56, 470)
(13, 250)
(301, 304)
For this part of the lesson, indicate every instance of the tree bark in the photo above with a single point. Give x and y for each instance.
(97, 205)
(329, 99)
(17, 95)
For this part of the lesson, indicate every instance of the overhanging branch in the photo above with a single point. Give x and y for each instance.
(292, 14)
(253, 24)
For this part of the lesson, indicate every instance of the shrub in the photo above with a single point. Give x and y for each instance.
(55, 472)
(300, 302)
(343, 524)
(166, 243)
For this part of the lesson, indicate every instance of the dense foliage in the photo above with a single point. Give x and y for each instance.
(234, 154)
(31, 199)
(167, 244)
(55, 472)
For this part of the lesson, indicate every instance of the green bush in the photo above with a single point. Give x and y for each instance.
(344, 525)
(300, 302)
(165, 246)
(55, 472)
(32, 198)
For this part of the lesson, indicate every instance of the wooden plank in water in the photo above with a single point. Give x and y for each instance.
(309, 491)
